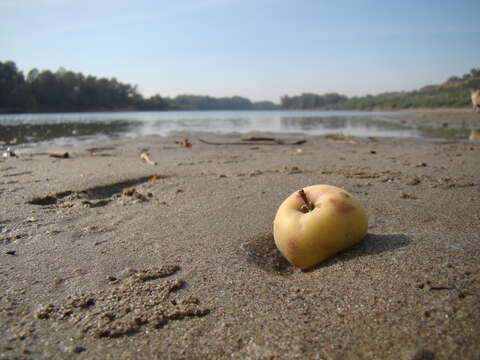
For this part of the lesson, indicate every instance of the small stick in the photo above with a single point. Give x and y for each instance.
(248, 142)
(101, 148)
(144, 156)
(307, 202)
(258, 138)
(60, 155)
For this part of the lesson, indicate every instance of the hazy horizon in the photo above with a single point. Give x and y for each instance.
(256, 49)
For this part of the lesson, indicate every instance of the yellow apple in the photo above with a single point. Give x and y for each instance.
(316, 222)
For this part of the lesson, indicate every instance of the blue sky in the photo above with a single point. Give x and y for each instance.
(261, 49)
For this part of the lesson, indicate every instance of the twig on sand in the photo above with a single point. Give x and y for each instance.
(60, 155)
(258, 138)
(256, 141)
(144, 156)
(341, 138)
(99, 149)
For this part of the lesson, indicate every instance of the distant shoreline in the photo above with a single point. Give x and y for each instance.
(419, 110)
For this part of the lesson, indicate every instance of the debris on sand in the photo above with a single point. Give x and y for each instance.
(184, 143)
(256, 141)
(144, 156)
(341, 138)
(59, 155)
(9, 153)
(408, 196)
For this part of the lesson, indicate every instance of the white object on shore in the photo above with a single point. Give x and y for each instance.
(476, 100)
(144, 156)
(9, 153)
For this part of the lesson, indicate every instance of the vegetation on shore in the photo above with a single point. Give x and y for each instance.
(454, 93)
(63, 90)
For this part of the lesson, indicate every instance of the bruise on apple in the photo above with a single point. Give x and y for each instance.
(342, 206)
(292, 244)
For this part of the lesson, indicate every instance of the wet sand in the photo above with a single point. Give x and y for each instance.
(443, 117)
(103, 256)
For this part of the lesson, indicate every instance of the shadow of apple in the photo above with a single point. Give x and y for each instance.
(379, 243)
(371, 244)
(262, 252)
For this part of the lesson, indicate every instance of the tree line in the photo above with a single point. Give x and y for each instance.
(311, 101)
(63, 90)
(454, 93)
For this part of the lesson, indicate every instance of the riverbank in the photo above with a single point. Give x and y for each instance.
(455, 117)
(105, 256)
(78, 128)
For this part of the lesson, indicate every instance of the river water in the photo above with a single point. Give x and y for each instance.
(66, 128)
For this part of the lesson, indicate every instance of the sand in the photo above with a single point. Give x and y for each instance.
(103, 256)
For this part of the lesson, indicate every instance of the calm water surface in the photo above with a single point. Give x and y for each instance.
(79, 127)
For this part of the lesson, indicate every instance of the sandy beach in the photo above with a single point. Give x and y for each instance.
(104, 256)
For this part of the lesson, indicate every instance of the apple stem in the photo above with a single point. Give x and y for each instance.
(307, 202)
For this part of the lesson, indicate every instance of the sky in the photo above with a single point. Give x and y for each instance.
(260, 49)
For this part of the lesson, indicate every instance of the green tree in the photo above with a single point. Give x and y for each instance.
(13, 93)
(475, 72)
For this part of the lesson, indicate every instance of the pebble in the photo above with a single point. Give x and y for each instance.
(79, 349)
(414, 181)
(408, 196)
(423, 354)
(255, 173)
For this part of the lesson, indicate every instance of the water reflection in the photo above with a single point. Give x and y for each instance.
(356, 126)
(444, 132)
(308, 123)
(29, 133)
(78, 126)
(163, 126)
